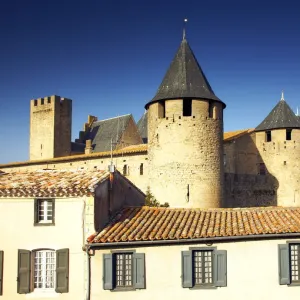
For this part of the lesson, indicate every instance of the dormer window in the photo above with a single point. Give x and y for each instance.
(288, 134)
(268, 136)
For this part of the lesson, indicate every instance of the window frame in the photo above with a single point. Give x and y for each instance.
(33, 263)
(115, 280)
(268, 135)
(203, 249)
(37, 221)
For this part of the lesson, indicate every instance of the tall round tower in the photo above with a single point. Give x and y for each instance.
(185, 137)
(278, 141)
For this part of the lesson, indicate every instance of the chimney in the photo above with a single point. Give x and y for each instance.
(88, 147)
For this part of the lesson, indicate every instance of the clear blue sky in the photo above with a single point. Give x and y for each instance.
(110, 57)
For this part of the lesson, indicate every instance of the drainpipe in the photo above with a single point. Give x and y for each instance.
(88, 282)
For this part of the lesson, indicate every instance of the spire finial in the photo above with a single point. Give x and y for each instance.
(282, 96)
(185, 21)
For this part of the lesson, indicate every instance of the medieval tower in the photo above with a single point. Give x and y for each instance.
(50, 127)
(185, 136)
(278, 143)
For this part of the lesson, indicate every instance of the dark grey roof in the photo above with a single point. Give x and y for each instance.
(143, 127)
(281, 116)
(184, 78)
(103, 131)
(77, 147)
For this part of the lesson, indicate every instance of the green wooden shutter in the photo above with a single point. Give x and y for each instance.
(186, 269)
(36, 211)
(62, 271)
(24, 264)
(220, 268)
(284, 264)
(1, 273)
(107, 271)
(139, 270)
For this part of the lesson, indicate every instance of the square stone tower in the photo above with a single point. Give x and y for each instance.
(50, 127)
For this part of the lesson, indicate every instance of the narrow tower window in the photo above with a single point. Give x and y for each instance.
(210, 109)
(125, 170)
(187, 107)
(162, 109)
(268, 136)
(141, 169)
(288, 134)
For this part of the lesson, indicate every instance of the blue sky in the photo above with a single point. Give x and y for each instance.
(109, 57)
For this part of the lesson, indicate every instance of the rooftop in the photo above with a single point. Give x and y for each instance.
(51, 183)
(158, 224)
(281, 116)
(184, 78)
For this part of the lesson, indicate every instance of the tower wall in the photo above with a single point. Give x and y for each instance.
(186, 153)
(50, 127)
(282, 160)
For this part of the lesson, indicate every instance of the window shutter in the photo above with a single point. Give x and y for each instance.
(24, 263)
(186, 269)
(284, 264)
(36, 211)
(139, 270)
(1, 272)
(62, 271)
(107, 271)
(220, 268)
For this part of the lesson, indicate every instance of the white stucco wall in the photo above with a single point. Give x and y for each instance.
(252, 273)
(18, 232)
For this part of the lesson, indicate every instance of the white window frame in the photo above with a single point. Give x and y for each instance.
(44, 270)
(46, 210)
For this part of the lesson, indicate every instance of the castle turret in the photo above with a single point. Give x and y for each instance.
(50, 127)
(185, 136)
(278, 144)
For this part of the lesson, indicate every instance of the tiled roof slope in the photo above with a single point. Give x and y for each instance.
(230, 135)
(281, 116)
(50, 183)
(143, 127)
(152, 223)
(103, 131)
(184, 78)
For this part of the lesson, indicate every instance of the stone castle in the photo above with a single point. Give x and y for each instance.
(178, 148)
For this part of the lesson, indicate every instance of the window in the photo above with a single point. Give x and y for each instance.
(187, 107)
(141, 169)
(268, 136)
(262, 169)
(204, 267)
(1, 273)
(50, 271)
(125, 170)
(44, 269)
(288, 134)
(210, 109)
(162, 109)
(289, 262)
(44, 211)
(123, 271)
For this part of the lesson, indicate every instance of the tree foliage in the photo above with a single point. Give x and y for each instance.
(150, 200)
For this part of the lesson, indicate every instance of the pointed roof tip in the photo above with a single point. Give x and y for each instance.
(184, 79)
(282, 96)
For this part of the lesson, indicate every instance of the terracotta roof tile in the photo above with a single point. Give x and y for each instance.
(229, 135)
(50, 183)
(152, 223)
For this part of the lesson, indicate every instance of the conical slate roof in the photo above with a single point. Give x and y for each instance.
(184, 78)
(281, 116)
